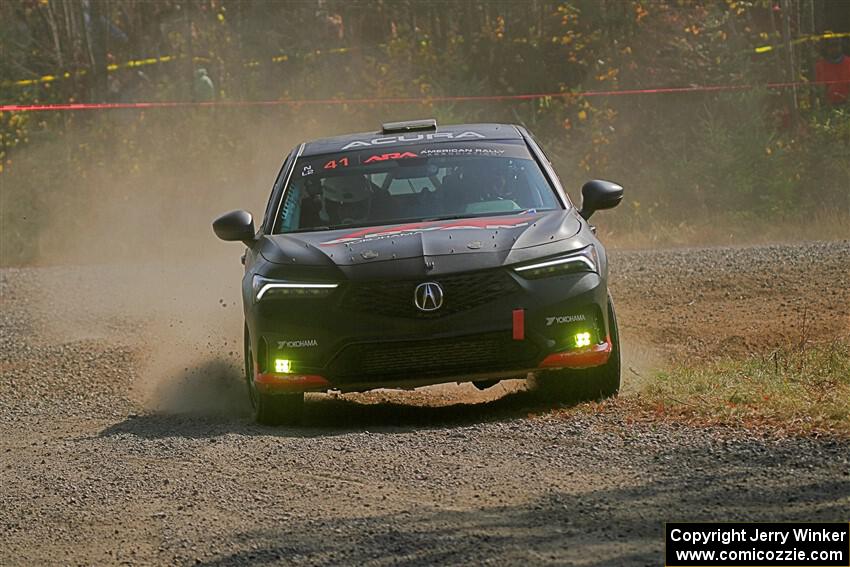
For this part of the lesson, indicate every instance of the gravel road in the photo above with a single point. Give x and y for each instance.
(125, 436)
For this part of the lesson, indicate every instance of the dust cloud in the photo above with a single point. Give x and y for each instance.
(131, 230)
(140, 262)
(639, 363)
(128, 251)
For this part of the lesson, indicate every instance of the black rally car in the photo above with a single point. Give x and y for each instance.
(419, 255)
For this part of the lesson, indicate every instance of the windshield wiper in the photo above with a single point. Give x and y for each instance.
(446, 217)
(384, 223)
(480, 215)
(307, 229)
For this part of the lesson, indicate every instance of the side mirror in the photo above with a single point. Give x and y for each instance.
(597, 195)
(235, 226)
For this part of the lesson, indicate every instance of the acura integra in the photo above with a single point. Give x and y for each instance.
(419, 255)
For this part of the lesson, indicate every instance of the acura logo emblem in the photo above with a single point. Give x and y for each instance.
(428, 296)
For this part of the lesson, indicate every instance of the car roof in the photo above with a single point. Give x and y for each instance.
(449, 133)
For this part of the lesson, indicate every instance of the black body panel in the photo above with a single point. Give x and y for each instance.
(367, 330)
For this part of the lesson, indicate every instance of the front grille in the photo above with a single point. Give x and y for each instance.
(414, 359)
(460, 292)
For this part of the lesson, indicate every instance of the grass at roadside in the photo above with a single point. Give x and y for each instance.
(795, 389)
(789, 391)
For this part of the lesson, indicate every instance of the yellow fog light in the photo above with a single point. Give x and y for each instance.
(283, 366)
(582, 339)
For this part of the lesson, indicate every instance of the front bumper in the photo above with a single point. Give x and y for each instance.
(272, 382)
(333, 344)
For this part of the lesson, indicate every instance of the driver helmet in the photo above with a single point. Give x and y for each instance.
(347, 199)
(485, 179)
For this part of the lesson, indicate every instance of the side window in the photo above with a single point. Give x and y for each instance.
(290, 211)
(275, 192)
(550, 170)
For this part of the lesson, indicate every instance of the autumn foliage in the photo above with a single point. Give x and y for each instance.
(749, 152)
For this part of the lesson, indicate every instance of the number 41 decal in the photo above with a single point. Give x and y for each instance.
(342, 162)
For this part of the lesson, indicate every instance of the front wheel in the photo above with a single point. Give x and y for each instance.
(573, 386)
(278, 409)
(270, 409)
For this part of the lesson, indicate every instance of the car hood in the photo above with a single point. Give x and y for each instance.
(491, 240)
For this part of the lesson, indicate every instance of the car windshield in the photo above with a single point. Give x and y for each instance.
(382, 186)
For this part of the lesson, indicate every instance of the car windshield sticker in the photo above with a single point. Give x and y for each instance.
(389, 156)
(332, 164)
(468, 151)
(412, 138)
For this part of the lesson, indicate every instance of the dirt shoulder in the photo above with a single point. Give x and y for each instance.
(711, 302)
(125, 439)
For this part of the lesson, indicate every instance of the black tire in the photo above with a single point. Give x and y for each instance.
(573, 386)
(279, 409)
(249, 369)
(270, 409)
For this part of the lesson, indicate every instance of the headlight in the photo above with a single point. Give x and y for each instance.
(584, 260)
(265, 288)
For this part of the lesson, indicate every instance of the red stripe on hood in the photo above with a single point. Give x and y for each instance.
(412, 227)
